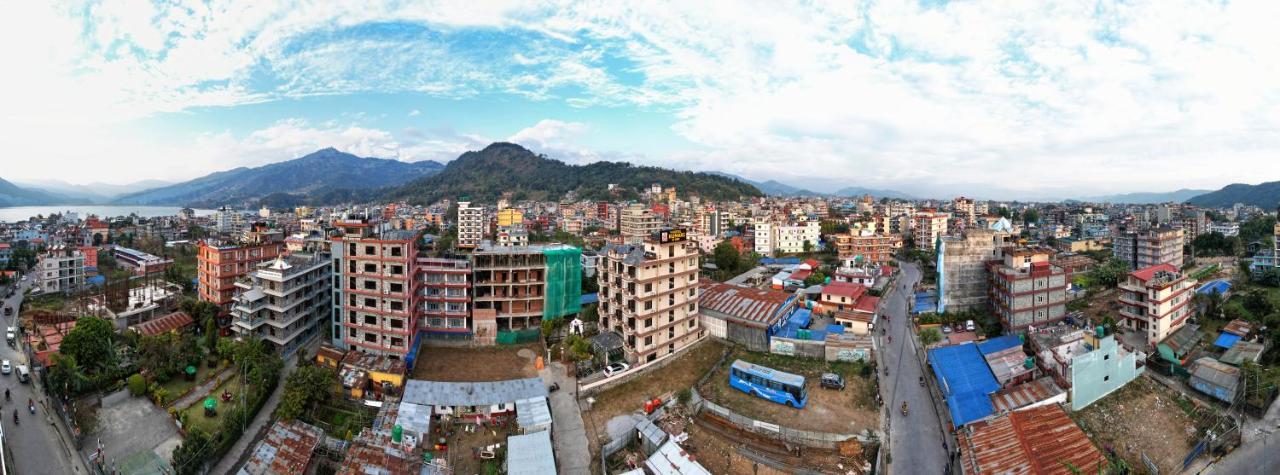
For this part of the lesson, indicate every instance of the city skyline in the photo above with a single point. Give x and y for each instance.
(932, 99)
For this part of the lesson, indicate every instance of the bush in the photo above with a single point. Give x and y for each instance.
(684, 396)
(137, 385)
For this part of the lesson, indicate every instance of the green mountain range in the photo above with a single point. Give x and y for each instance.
(505, 167)
(1264, 195)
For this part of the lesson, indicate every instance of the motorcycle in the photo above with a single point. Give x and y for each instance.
(904, 408)
(31, 406)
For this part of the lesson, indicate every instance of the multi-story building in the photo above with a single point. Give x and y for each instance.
(964, 210)
(6, 253)
(446, 296)
(649, 295)
(228, 221)
(513, 235)
(60, 269)
(510, 285)
(220, 262)
(763, 238)
(510, 217)
(963, 278)
(1156, 300)
(1026, 289)
(797, 237)
(637, 222)
(927, 227)
(142, 263)
(378, 292)
(1150, 247)
(871, 247)
(470, 225)
(284, 302)
(1225, 228)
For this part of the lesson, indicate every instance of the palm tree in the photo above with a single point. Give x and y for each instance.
(66, 374)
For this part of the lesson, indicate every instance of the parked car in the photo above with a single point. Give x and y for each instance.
(6, 367)
(946, 329)
(24, 374)
(615, 368)
(968, 325)
(832, 381)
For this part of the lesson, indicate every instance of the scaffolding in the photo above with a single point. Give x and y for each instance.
(564, 282)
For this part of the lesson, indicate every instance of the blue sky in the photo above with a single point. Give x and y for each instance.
(988, 99)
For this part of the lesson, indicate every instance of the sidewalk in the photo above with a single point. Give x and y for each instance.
(257, 427)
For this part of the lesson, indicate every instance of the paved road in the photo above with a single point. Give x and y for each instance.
(569, 433)
(34, 443)
(915, 439)
(1259, 456)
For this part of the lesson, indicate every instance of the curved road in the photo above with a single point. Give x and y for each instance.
(915, 440)
(34, 443)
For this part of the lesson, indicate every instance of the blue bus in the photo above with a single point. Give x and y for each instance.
(768, 383)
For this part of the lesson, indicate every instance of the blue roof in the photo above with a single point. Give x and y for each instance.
(926, 302)
(998, 344)
(779, 261)
(589, 298)
(798, 320)
(835, 328)
(1220, 286)
(1226, 340)
(966, 381)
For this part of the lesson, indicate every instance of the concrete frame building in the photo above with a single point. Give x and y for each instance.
(446, 296)
(142, 263)
(220, 262)
(60, 269)
(509, 283)
(649, 295)
(470, 225)
(1156, 301)
(1026, 289)
(636, 222)
(1150, 247)
(873, 248)
(927, 227)
(964, 209)
(963, 276)
(378, 292)
(285, 302)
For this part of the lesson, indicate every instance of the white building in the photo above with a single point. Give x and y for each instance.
(61, 269)
(1225, 229)
(470, 225)
(284, 302)
(792, 238)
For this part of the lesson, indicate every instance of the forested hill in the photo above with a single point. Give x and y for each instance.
(1264, 195)
(485, 175)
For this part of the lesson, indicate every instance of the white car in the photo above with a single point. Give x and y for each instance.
(6, 367)
(615, 368)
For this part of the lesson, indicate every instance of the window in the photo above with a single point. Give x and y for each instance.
(648, 305)
(370, 337)
(648, 287)
(351, 283)
(370, 251)
(397, 323)
(1106, 357)
(368, 267)
(370, 285)
(370, 320)
(693, 323)
(397, 251)
(1106, 378)
(397, 270)
(397, 306)
(396, 341)
(368, 302)
(648, 340)
(397, 287)
(648, 322)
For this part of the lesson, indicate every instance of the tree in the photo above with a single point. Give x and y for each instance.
(190, 456)
(930, 336)
(92, 341)
(137, 385)
(1031, 216)
(726, 257)
(66, 376)
(808, 246)
(1109, 273)
(211, 335)
(306, 386)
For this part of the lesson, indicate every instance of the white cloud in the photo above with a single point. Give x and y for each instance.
(1034, 98)
(415, 113)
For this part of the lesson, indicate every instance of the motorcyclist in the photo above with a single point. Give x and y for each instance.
(6, 394)
(904, 408)
(15, 416)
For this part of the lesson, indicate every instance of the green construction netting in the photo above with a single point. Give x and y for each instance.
(564, 282)
(519, 337)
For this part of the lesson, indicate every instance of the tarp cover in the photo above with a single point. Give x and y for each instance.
(564, 282)
(966, 382)
(1226, 340)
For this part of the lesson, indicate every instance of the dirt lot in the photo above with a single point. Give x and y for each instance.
(477, 364)
(465, 447)
(630, 397)
(1102, 305)
(850, 411)
(1146, 417)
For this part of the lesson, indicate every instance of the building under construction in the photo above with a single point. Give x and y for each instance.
(962, 273)
(522, 285)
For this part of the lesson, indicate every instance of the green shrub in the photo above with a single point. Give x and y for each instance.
(137, 385)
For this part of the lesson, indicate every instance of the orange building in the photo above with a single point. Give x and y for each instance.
(90, 255)
(379, 296)
(220, 263)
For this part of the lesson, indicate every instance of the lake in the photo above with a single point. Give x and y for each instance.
(19, 213)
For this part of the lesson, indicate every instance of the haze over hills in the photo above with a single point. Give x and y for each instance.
(324, 176)
(14, 195)
(1178, 196)
(1264, 195)
(777, 188)
(501, 167)
(96, 193)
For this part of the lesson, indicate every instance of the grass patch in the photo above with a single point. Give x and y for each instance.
(195, 416)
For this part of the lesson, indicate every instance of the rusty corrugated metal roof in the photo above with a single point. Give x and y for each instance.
(1025, 394)
(286, 450)
(1041, 440)
(746, 303)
